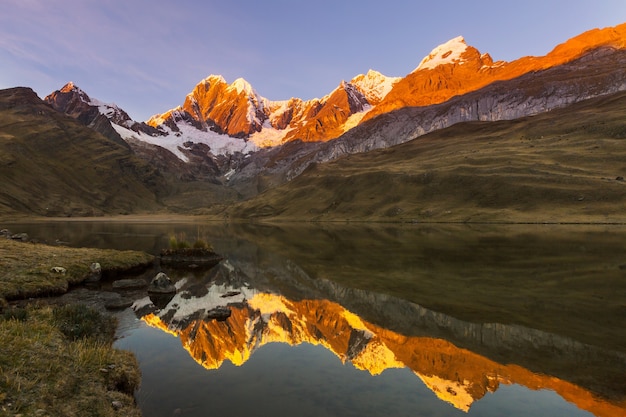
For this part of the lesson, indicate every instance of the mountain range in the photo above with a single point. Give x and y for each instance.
(227, 143)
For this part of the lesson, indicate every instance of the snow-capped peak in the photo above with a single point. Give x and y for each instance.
(449, 52)
(110, 110)
(242, 85)
(374, 85)
(70, 86)
(214, 79)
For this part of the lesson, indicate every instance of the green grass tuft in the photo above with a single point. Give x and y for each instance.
(77, 321)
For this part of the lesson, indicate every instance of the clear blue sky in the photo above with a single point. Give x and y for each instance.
(146, 55)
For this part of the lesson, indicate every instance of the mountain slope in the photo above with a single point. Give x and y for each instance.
(561, 166)
(53, 166)
(599, 72)
(455, 68)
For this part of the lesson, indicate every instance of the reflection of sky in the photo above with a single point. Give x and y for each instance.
(303, 380)
(146, 55)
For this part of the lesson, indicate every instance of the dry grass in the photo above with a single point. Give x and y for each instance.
(26, 268)
(45, 373)
(60, 362)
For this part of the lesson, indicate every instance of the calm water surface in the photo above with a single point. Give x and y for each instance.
(367, 320)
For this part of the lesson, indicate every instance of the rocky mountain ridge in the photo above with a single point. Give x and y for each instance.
(600, 72)
(231, 136)
(455, 68)
(231, 118)
(238, 111)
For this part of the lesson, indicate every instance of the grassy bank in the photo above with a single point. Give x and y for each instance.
(28, 269)
(60, 362)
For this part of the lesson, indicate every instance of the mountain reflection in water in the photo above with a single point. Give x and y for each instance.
(456, 375)
(523, 311)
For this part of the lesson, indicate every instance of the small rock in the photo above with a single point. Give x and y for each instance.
(117, 405)
(161, 284)
(128, 284)
(95, 268)
(20, 236)
(58, 270)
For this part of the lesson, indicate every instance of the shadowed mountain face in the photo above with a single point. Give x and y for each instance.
(53, 166)
(561, 166)
(598, 73)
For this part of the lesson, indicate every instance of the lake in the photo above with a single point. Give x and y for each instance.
(375, 319)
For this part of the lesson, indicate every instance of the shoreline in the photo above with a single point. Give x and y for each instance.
(49, 368)
(190, 218)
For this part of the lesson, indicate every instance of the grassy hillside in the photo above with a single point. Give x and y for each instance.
(51, 165)
(566, 165)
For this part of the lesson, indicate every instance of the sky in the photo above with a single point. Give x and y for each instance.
(147, 55)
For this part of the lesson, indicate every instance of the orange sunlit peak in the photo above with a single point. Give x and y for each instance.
(155, 321)
(455, 393)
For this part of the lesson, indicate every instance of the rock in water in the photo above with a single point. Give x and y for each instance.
(128, 284)
(95, 272)
(161, 284)
(20, 236)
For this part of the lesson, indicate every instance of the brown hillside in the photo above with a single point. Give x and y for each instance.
(562, 166)
(51, 165)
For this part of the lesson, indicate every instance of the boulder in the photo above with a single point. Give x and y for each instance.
(161, 284)
(161, 300)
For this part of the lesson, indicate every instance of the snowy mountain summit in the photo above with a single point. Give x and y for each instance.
(449, 52)
(71, 92)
